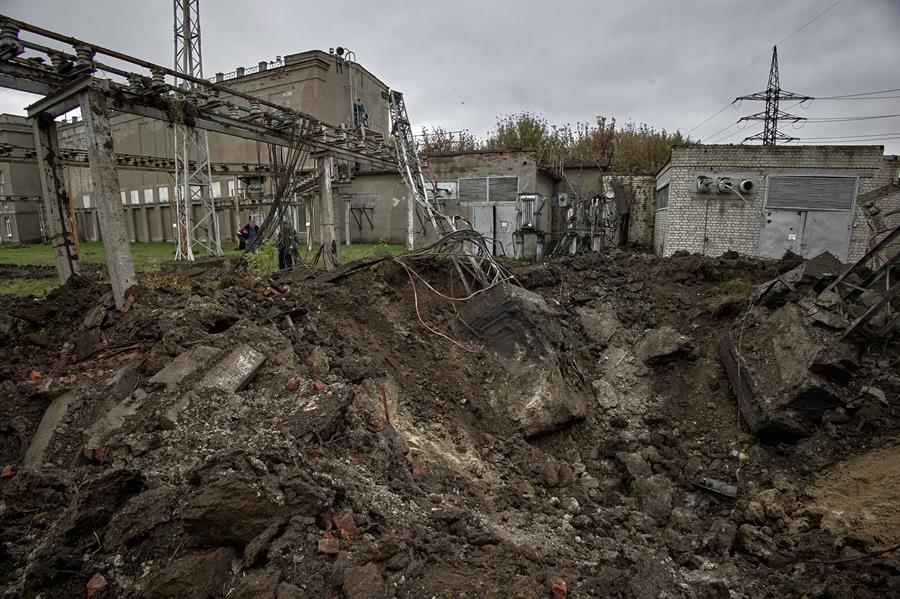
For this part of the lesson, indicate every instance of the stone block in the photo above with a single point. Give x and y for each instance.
(53, 416)
(234, 371)
(186, 364)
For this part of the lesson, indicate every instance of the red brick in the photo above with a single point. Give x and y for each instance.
(419, 471)
(293, 384)
(346, 524)
(8, 471)
(329, 546)
(36, 375)
(96, 584)
(558, 587)
(318, 386)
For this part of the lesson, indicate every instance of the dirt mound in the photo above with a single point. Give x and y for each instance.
(322, 435)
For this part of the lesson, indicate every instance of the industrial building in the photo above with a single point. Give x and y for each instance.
(768, 200)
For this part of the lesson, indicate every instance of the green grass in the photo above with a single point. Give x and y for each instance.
(147, 258)
(27, 287)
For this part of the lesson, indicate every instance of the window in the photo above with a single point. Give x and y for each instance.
(124, 197)
(231, 186)
(7, 224)
(163, 194)
(148, 195)
(662, 197)
(217, 189)
(86, 200)
(135, 196)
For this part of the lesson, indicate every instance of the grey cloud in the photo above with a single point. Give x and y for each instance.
(463, 63)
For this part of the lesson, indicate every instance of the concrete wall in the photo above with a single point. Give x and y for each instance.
(713, 224)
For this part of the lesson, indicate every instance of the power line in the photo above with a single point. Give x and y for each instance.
(844, 119)
(710, 118)
(757, 59)
(867, 135)
(884, 91)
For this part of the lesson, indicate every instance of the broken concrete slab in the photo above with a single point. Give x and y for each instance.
(814, 313)
(524, 334)
(186, 364)
(112, 420)
(53, 416)
(599, 325)
(662, 345)
(234, 371)
(766, 419)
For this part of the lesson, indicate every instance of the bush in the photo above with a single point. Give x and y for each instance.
(264, 261)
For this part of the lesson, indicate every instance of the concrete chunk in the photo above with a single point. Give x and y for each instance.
(53, 416)
(186, 364)
(234, 371)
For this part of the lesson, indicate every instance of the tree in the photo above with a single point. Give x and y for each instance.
(438, 140)
(641, 149)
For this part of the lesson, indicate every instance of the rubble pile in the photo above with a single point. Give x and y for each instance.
(613, 425)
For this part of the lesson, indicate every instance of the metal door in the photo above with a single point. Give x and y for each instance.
(782, 230)
(483, 219)
(826, 231)
(504, 224)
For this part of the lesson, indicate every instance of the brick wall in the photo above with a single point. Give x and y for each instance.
(715, 223)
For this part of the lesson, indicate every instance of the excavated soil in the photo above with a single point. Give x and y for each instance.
(371, 456)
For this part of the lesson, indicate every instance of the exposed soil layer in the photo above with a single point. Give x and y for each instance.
(371, 456)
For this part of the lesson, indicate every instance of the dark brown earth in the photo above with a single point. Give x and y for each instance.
(405, 475)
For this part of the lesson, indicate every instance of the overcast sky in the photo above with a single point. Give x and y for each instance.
(462, 63)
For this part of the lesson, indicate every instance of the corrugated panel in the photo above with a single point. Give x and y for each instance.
(473, 189)
(811, 193)
(503, 189)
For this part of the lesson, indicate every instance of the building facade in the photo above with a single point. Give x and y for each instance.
(765, 201)
(20, 188)
(315, 82)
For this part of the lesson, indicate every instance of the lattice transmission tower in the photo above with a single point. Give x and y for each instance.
(772, 97)
(197, 226)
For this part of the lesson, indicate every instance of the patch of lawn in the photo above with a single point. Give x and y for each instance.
(27, 287)
(147, 256)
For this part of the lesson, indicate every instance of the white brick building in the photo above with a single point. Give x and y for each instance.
(797, 198)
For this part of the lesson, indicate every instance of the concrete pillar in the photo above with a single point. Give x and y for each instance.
(56, 199)
(99, 142)
(410, 222)
(327, 228)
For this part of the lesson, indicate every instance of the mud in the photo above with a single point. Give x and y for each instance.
(370, 457)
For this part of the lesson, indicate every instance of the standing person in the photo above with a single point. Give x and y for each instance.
(242, 237)
(252, 233)
(287, 245)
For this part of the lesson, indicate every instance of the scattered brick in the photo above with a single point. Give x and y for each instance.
(346, 524)
(419, 471)
(96, 584)
(558, 587)
(36, 375)
(329, 546)
(318, 386)
(293, 384)
(94, 454)
(8, 471)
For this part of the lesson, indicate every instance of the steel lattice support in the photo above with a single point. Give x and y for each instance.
(411, 170)
(193, 173)
(772, 97)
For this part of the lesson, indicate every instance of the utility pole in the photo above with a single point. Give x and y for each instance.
(193, 174)
(772, 96)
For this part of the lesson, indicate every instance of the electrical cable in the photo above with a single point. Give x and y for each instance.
(756, 60)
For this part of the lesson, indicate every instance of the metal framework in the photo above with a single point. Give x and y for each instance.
(193, 173)
(772, 96)
(411, 170)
